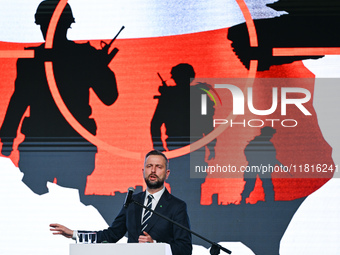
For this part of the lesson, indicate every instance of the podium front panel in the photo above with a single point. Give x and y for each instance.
(120, 249)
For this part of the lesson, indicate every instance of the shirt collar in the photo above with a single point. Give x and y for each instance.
(157, 195)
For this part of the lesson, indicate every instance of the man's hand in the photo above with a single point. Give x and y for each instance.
(146, 238)
(58, 229)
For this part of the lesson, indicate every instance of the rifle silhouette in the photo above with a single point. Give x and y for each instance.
(164, 85)
(106, 47)
(163, 81)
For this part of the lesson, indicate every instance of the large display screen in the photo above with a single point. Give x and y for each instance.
(240, 95)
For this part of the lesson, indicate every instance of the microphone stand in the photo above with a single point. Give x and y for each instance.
(215, 248)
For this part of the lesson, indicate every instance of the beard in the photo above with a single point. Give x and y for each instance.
(154, 184)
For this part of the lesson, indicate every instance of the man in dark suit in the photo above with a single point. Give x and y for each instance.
(142, 226)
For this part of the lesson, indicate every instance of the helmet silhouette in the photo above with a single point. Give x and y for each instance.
(45, 11)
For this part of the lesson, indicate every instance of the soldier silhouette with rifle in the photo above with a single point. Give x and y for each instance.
(52, 150)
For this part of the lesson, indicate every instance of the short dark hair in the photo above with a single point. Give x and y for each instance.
(158, 153)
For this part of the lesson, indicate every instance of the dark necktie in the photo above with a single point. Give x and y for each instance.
(147, 214)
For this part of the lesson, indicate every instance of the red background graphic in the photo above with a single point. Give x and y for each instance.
(126, 124)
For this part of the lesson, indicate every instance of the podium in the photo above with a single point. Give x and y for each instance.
(120, 249)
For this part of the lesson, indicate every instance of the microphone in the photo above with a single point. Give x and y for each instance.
(128, 198)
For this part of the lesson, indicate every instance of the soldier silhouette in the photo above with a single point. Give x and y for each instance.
(260, 152)
(52, 148)
(177, 107)
(173, 110)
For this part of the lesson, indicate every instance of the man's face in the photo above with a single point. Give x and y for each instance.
(155, 172)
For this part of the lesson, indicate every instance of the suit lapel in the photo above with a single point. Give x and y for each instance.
(139, 210)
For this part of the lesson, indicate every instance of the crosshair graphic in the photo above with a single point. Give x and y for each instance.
(317, 51)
